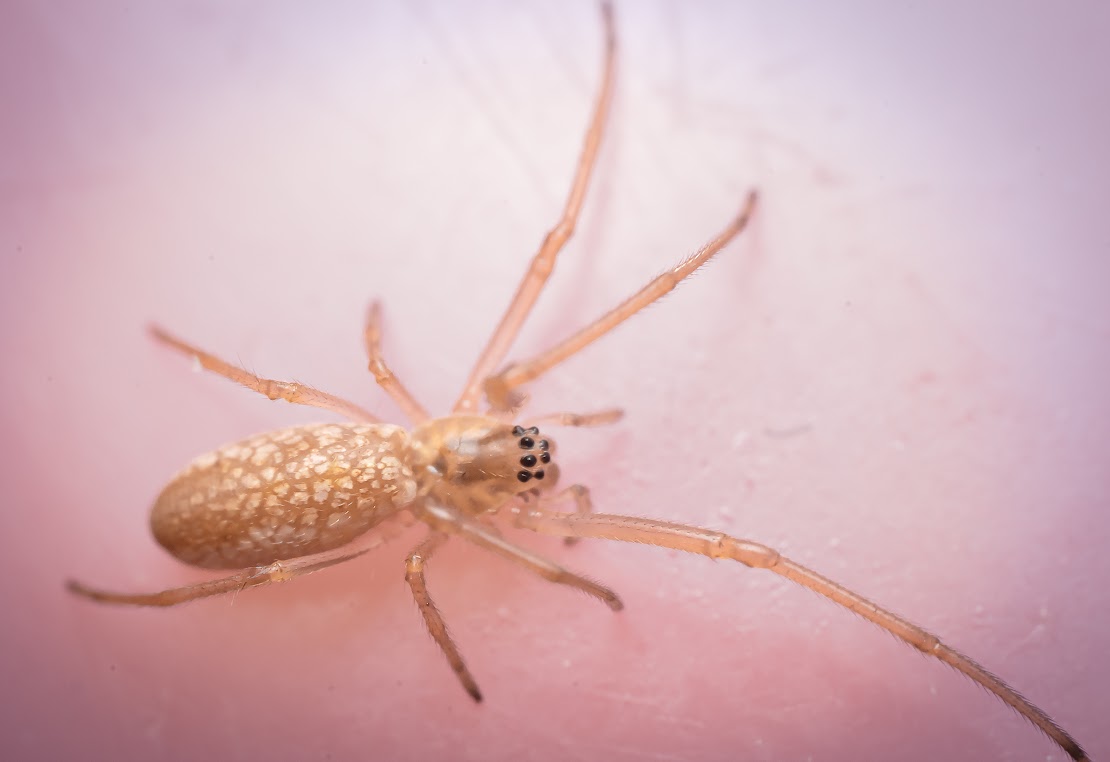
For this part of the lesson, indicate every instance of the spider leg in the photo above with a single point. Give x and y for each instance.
(499, 388)
(451, 522)
(578, 493)
(293, 392)
(692, 539)
(279, 571)
(414, 575)
(544, 261)
(583, 420)
(382, 373)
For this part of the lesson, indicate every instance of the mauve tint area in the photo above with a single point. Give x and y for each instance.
(898, 375)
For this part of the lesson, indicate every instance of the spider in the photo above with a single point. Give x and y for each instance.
(290, 502)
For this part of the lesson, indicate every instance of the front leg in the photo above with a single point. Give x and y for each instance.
(577, 493)
(706, 542)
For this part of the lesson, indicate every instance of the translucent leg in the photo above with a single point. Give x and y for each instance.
(254, 577)
(414, 575)
(600, 418)
(582, 504)
(382, 374)
(499, 388)
(544, 261)
(298, 394)
(706, 542)
(448, 521)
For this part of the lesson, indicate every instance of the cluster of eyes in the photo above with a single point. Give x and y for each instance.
(527, 442)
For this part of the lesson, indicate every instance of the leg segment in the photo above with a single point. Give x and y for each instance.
(382, 374)
(499, 388)
(600, 418)
(705, 542)
(298, 394)
(254, 577)
(414, 575)
(450, 522)
(544, 261)
(582, 504)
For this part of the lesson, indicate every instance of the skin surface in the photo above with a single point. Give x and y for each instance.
(897, 377)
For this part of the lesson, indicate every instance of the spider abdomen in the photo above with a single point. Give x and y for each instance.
(284, 494)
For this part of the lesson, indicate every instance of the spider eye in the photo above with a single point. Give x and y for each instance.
(537, 454)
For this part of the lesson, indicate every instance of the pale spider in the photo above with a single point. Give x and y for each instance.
(293, 501)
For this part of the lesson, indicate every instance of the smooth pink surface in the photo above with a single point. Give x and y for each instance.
(899, 376)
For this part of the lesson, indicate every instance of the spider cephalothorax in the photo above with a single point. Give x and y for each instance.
(476, 463)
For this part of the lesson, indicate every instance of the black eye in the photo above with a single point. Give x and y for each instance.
(545, 457)
(525, 476)
(543, 444)
(526, 443)
(518, 431)
(538, 474)
(528, 460)
(533, 431)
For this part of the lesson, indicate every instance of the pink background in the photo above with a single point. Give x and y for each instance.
(899, 376)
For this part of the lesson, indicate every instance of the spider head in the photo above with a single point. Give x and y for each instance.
(477, 464)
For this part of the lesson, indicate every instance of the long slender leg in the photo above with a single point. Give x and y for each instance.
(600, 418)
(414, 575)
(499, 388)
(293, 392)
(382, 373)
(544, 261)
(450, 522)
(706, 542)
(254, 577)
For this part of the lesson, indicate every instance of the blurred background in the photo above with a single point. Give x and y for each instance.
(897, 376)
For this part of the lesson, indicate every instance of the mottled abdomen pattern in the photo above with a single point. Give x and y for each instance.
(284, 494)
